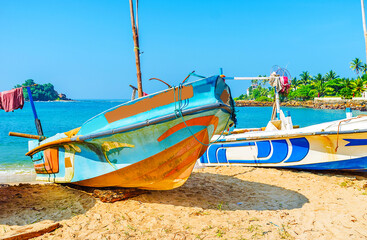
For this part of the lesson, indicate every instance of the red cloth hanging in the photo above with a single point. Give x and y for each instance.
(12, 99)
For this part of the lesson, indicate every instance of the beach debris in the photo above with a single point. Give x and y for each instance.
(114, 195)
(239, 203)
(29, 232)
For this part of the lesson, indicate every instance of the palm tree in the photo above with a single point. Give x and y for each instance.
(254, 83)
(346, 90)
(331, 75)
(356, 65)
(264, 81)
(305, 78)
(358, 86)
(319, 86)
(294, 83)
(364, 68)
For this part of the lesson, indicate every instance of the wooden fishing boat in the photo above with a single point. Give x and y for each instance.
(337, 145)
(151, 142)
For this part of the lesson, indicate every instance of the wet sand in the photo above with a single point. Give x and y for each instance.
(215, 203)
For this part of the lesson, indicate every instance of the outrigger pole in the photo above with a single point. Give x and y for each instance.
(37, 121)
(136, 46)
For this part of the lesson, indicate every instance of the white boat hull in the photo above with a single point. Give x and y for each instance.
(338, 145)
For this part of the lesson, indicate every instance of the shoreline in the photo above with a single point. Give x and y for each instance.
(12, 178)
(360, 105)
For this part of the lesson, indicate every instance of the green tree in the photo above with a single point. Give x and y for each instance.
(347, 87)
(303, 92)
(356, 65)
(40, 92)
(319, 87)
(294, 83)
(331, 75)
(305, 78)
(364, 68)
(358, 87)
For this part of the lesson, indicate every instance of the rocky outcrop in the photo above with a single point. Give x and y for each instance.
(320, 104)
(63, 97)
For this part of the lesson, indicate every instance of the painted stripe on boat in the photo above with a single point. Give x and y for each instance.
(153, 121)
(300, 149)
(147, 104)
(356, 142)
(263, 149)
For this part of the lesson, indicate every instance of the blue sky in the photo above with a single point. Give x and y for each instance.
(85, 47)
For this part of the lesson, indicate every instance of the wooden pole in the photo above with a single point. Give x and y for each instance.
(137, 17)
(364, 26)
(25, 135)
(136, 49)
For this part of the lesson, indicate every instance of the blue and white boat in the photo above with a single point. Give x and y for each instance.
(336, 145)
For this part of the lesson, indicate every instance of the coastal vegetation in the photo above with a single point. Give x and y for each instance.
(41, 92)
(307, 87)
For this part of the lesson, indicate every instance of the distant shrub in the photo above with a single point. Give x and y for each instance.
(263, 99)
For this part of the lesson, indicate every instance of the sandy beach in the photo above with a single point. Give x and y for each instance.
(215, 203)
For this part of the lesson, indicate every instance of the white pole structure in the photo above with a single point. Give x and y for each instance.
(277, 99)
(364, 26)
(249, 78)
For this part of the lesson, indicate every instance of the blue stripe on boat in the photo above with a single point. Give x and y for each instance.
(300, 149)
(357, 164)
(222, 158)
(263, 149)
(215, 153)
(356, 142)
(280, 151)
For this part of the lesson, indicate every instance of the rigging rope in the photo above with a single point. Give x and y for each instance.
(179, 111)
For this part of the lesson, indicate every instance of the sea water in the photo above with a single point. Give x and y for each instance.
(59, 117)
(55, 117)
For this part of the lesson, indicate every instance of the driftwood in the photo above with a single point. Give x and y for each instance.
(30, 232)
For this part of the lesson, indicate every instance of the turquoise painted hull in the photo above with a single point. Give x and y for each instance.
(151, 143)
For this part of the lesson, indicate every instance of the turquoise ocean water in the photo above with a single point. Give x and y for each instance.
(63, 116)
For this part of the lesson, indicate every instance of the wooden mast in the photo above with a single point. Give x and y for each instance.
(136, 49)
(364, 26)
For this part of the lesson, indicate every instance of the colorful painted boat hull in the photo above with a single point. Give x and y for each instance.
(339, 145)
(150, 143)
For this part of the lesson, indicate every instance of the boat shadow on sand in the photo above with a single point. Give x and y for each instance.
(30, 203)
(226, 193)
(25, 204)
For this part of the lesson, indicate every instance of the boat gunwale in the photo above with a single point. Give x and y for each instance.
(130, 102)
(294, 135)
(135, 126)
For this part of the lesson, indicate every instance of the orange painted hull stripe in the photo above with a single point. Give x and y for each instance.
(166, 170)
(200, 121)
